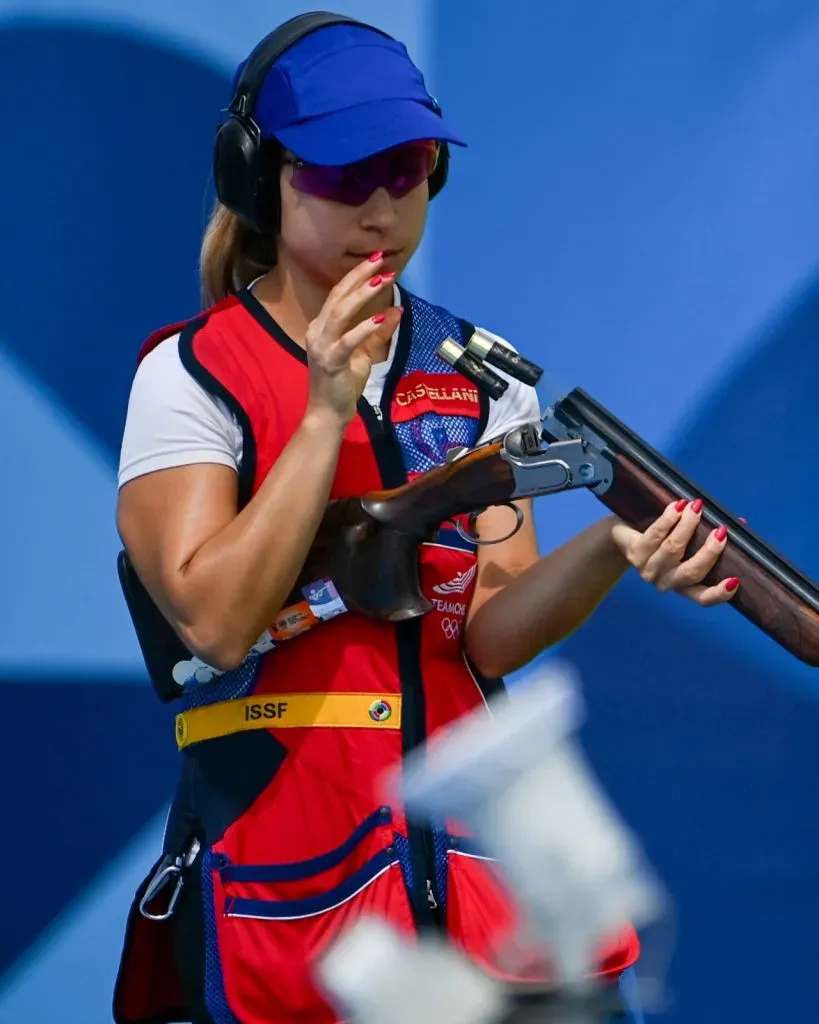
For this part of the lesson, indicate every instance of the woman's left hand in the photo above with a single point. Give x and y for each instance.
(657, 554)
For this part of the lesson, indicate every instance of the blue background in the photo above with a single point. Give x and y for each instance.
(639, 211)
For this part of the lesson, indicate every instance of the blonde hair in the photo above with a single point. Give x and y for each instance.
(232, 255)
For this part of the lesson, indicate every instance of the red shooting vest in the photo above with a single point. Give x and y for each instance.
(297, 839)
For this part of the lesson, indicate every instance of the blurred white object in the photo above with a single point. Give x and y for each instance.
(374, 974)
(518, 780)
(197, 671)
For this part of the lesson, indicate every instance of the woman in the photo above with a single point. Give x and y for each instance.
(313, 376)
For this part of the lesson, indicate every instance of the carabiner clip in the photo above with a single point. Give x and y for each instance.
(170, 869)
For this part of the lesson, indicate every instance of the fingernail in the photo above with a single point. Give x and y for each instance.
(379, 318)
(376, 256)
(375, 281)
(732, 583)
(387, 273)
(696, 506)
(721, 534)
(742, 519)
(681, 504)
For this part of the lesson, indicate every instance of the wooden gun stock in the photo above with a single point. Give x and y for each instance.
(374, 570)
(473, 482)
(369, 546)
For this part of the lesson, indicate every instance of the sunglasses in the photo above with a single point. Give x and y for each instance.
(398, 170)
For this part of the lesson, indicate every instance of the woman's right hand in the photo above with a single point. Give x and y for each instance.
(337, 353)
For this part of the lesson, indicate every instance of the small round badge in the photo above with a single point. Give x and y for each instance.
(181, 730)
(380, 711)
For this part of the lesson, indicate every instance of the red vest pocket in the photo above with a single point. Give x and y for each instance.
(273, 921)
(482, 919)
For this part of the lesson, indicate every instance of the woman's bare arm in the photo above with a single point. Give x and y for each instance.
(524, 604)
(220, 577)
(217, 576)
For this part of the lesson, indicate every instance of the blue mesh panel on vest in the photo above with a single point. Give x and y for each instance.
(215, 998)
(430, 325)
(238, 683)
(402, 848)
(425, 440)
(440, 847)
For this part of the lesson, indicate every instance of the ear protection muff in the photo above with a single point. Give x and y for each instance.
(243, 183)
(437, 179)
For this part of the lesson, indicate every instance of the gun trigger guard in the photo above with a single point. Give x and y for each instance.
(472, 538)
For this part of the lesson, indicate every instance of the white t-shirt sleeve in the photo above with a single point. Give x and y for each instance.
(173, 421)
(517, 406)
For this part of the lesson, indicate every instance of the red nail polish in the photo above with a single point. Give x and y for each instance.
(387, 274)
(696, 506)
(681, 504)
(379, 318)
(375, 281)
(732, 583)
(376, 256)
(721, 534)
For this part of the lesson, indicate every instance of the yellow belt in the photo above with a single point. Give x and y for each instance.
(289, 711)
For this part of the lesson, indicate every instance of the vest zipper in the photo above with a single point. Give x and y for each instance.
(426, 899)
(426, 903)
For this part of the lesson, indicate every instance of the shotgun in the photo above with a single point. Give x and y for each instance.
(365, 555)
(369, 545)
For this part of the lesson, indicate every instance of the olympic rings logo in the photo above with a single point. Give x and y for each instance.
(451, 628)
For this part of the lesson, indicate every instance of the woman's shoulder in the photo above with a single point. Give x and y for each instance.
(165, 354)
(163, 382)
(162, 375)
(172, 420)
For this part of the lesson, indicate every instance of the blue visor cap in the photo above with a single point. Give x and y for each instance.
(343, 93)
